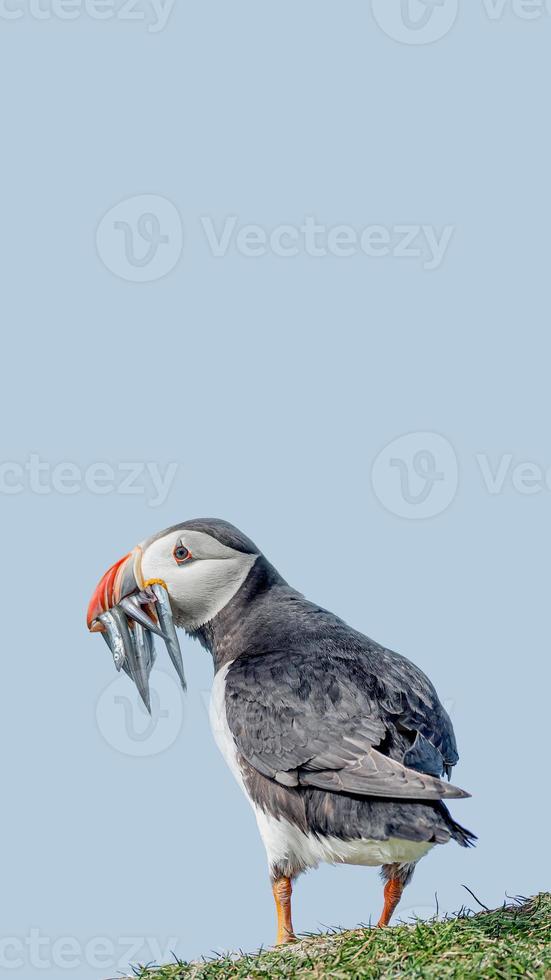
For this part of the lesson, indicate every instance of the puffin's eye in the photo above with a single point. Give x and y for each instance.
(181, 553)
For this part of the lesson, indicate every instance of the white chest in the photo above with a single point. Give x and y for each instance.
(219, 725)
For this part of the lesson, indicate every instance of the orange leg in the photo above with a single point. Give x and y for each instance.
(282, 889)
(393, 894)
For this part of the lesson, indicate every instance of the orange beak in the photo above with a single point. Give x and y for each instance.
(122, 579)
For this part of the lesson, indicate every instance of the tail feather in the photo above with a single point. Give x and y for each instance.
(464, 837)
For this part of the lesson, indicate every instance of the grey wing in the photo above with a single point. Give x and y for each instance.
(324, 721)
(413, 704)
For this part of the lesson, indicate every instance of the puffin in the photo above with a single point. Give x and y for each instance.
(340, 745)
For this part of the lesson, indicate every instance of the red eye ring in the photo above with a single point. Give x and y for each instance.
(181, 554)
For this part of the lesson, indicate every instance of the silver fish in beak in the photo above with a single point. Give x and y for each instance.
(129, 613)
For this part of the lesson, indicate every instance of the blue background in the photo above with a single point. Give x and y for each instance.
(274, 384)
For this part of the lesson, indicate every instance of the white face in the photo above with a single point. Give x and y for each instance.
(201, 575)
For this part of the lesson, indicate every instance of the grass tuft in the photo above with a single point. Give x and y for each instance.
(513, 941)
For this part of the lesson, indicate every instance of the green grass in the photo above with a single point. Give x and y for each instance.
(513, 941)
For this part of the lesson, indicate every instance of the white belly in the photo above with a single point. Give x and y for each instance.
(287, 844)
(284, 842)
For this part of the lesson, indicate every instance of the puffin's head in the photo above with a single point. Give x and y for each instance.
(184, 575)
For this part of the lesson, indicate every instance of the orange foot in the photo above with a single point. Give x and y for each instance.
(282, 890)
(393, 894)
